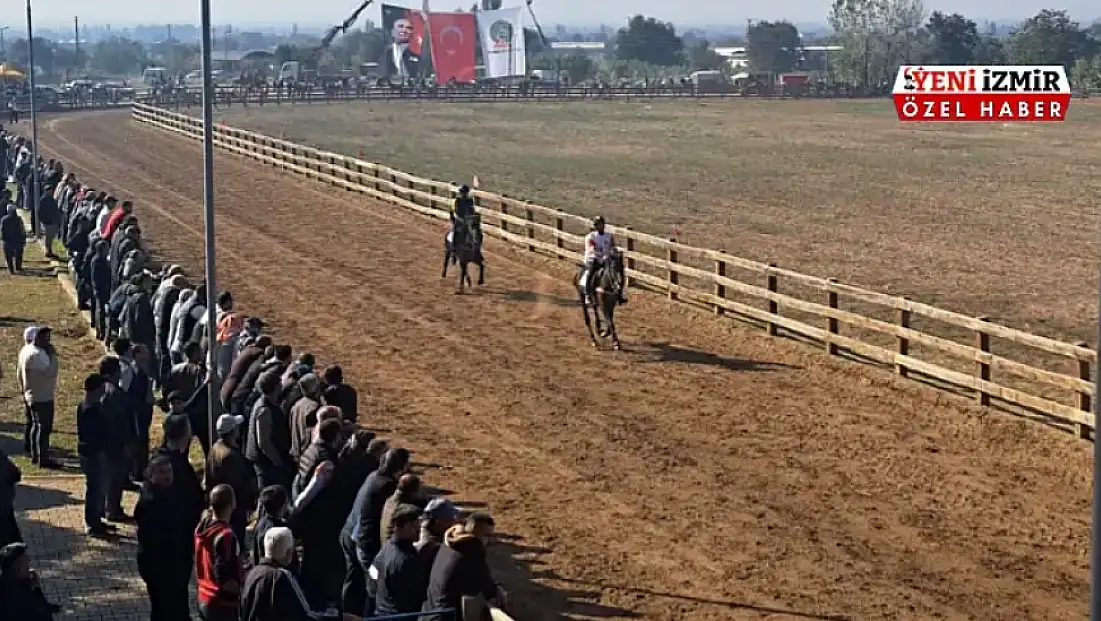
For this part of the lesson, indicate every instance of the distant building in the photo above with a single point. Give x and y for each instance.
(812, 57)
(590, 48)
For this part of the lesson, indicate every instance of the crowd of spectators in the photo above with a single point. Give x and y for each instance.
(300, 511)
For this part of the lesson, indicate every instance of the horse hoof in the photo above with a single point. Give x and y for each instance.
(615, 346)
(593, 343)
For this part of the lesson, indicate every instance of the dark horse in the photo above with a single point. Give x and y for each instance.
(464, 246)
(606, 283)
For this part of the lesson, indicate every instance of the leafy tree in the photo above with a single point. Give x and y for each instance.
(1049, 37)
(953, 38)
(286, 52)
(647, 40)
(18, 53)
(491, 5)
(877, 36)
(118, 56)
(990, 51)
(702, 58)
(580, 67)
(773, 46)
(1086, 74)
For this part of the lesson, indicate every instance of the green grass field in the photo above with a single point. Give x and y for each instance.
(989, 219)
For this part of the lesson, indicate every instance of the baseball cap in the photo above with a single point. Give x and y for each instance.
(227, 423)
(175, 426)
(406, 514)
(441, 508)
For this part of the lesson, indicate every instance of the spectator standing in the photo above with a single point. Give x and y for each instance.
(303, 415)
(49, 218)
(141, 393)
(92, 445)
(10, 476)
(38, 376)
(102, 288)
(360, 540)
(228, 466)
(121, 433)
(272, 511)
(407, 493)
(185, 377)
(13, 237)
(28, 417)
(164, 302)
(461, 569)
(137, 321)
(398, 571)
(251, 354)
(269, 438)
(174, 321)
(439, 515)
(339, 394)
(219, 569)
(164, 544)
(186, 488)
(228, 328)
(317, 517)
(271, 591)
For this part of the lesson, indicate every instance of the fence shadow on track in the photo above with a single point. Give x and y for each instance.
(992, 364)
(659, 352)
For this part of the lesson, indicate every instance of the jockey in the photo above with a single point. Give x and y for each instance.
(599, 245)
(462, 210)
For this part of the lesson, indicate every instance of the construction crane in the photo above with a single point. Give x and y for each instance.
(313, 55)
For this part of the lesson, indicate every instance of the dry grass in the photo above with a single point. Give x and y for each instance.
(985, 219)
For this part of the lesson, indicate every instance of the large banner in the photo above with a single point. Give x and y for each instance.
(403, 56)
(502, 35)
(453, 39)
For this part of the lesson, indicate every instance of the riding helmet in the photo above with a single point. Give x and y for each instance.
(597, 221)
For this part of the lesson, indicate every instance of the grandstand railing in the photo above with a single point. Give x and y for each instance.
(1036, 376)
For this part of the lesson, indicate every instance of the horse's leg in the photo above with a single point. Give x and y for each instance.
(462, 276)
(446, 260)
(481, 273)
(609, 304)
(598, 311)
(588, 322)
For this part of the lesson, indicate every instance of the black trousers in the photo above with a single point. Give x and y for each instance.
(42, 425)
(168, 599)
(354, 591)
(13, 258)
(9, 529)
(28, 427)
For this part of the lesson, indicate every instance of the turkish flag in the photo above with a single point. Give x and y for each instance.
(453, 37)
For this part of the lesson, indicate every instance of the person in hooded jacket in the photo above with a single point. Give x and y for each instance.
(240, 367)
(461, 569)
(137, 321)
(273, 510)
(219, 567)
(164, 544)
(245, 395)
(168, 294)
(13, 237)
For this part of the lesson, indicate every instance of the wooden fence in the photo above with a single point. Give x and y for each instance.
(1044, 376)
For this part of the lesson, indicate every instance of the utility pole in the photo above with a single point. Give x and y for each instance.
(34, 121)
(3, 50)
(168, 27)
(213, 402)
(76, 41)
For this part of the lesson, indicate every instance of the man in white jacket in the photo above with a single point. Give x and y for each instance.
(38, 369)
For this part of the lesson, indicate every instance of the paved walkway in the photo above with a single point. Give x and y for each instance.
(92, 580)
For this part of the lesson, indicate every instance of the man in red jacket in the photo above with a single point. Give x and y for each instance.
(219, 570)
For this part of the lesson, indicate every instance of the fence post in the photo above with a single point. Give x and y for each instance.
(1084, 402)
(982, 369)
(630, 259)
(903, 342)
(772, 284)
(720, 289)
(559, 226)
(833, 326)
(531, 229)
(671, 256)
(504, 212)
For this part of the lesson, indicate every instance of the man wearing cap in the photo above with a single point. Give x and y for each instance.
(398, 572)
(227, 465)
(438, 516)
(38, 372)
(21, 596)
(303, 415)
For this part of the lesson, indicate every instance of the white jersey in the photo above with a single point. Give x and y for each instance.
(598, 246)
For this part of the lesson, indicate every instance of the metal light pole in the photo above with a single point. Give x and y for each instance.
(1095, 548)
(208, 204)
(34, 127)
(3, 50)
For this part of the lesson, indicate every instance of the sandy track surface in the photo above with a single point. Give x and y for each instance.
(706, 472)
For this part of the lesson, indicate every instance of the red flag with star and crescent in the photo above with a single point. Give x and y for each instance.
(453, 37)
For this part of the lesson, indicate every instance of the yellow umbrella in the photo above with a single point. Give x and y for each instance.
(8, 72)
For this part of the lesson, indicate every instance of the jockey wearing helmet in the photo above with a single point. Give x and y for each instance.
(599, 245)
(462, 210)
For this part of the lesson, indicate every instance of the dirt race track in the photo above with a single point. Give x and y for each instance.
(706, 472)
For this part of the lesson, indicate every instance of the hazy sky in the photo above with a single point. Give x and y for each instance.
(55, 13)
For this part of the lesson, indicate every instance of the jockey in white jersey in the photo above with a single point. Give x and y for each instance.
(599, 245)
